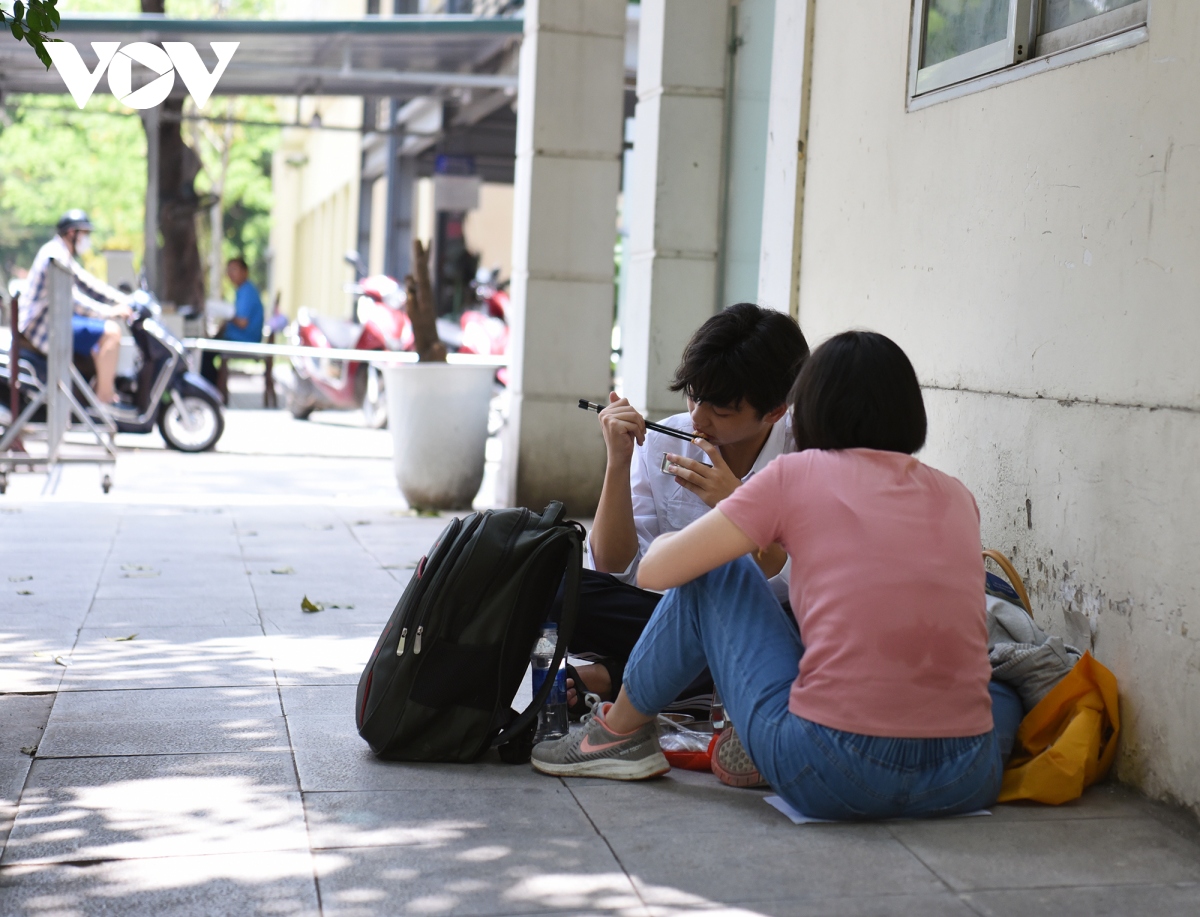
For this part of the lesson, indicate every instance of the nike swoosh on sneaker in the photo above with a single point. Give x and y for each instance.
(587, 748)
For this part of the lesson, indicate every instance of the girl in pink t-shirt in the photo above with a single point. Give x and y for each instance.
(878, 704)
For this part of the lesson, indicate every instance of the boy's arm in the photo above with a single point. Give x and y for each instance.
(614, 540)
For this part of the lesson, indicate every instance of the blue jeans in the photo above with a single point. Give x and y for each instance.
(729, 620)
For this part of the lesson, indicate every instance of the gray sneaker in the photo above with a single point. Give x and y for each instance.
(595, 752)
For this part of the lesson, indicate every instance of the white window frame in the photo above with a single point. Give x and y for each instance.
(1025, 51)
(1012, 49)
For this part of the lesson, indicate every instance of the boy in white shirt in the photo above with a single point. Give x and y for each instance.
(736, 373)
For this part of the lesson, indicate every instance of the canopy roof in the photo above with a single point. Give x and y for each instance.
(396, 57)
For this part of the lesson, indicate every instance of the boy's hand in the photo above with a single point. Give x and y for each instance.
(622, 427)
(712, 485)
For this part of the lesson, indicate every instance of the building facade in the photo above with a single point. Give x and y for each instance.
(1027, 235)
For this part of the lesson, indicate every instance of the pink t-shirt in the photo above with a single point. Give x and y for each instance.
(887, 585)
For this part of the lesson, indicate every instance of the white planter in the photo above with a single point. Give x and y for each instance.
(438, 415)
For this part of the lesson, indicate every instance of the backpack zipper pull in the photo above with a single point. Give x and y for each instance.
(417, 640)
(400, 645)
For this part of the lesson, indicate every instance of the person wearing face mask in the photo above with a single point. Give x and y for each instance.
(736, 373)
(96, 304)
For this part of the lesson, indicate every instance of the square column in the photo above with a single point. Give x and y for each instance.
(568, 163)
(787, 139)
(675, 211)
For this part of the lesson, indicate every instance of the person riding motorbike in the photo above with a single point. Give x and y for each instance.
(96, 304)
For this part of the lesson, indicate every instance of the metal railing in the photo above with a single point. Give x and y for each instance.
(56, 397)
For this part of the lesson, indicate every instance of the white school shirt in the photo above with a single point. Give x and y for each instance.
(661, 504)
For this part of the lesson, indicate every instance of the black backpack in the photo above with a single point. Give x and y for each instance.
(440, 682)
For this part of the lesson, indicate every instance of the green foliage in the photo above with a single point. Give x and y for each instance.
(54, 157)
(247, 193)
(32, 21)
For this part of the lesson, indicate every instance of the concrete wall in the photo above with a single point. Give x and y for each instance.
(674, 208)
(754, 22)
(489, 229)
(1032, 247)
(314, 214)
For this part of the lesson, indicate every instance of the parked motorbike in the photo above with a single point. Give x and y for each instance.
(380, 324)
(162, 392)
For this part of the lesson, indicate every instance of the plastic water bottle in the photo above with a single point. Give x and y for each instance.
(552, 718)
(717, 716)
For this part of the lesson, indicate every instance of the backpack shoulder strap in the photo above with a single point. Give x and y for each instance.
(552, 515)
(566, 630)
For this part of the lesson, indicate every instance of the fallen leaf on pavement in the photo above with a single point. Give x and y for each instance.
(309, 606)
(121, 639)
(24, 592)
(30, 750)
(363, 522)
(137, 571)
(282, 571)
(19, 579)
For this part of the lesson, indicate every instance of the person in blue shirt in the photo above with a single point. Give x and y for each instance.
(247, 322)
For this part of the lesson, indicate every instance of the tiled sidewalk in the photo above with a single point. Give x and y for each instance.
(210, 765)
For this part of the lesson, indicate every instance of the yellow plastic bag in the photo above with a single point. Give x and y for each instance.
(1068, 741)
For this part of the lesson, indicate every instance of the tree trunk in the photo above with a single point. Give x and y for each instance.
(216, 213)
(182, 280)
(421, 310)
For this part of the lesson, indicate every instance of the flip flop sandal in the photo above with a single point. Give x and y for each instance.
(615, 669)
(576, 710)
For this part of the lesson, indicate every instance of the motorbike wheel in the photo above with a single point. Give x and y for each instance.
(374, 404)
(199, 430)
(302, 398)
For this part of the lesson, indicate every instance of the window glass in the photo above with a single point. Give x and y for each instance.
(1058, 14)
(954, 27)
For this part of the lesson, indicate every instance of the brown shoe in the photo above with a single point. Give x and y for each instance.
(731, 764)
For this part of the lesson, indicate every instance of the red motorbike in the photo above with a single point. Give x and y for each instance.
(485, 328)
(382, 324)
(345, 385)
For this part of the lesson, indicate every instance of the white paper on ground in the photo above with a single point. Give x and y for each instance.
(799, 818)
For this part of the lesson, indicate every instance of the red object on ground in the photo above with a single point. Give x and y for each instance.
(692, 760)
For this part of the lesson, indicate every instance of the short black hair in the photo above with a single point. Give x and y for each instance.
(743, 353)
(858, 390)
(238, 259)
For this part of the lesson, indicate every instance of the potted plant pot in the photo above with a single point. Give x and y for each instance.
(438, 415)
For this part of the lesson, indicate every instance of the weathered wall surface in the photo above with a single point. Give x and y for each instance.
(1033, 249)
(314, 214)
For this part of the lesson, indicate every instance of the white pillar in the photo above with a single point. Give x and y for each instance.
(675, 215)
(787, 135)
(569, 139)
